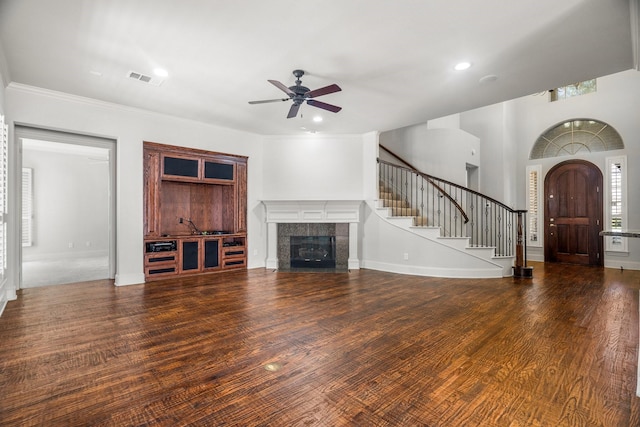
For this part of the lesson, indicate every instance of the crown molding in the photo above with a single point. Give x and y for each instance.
(92, 102)
(28, 89)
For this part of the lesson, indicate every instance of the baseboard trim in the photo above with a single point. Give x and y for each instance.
(477, 273)
(129, 279)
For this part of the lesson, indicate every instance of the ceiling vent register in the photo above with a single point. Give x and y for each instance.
(144, 78)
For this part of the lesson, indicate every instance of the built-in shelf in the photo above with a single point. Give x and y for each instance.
(196, 199)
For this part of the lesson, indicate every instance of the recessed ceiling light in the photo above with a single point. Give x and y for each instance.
(317, 119)
(462, 66)
(160, 72)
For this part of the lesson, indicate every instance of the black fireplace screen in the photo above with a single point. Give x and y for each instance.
(313, 251)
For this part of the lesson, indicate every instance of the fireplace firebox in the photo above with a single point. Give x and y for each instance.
(313, 251)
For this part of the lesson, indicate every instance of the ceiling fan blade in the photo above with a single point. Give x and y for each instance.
(282, 87)
(269, 100)
(324, 105)
(293, 111)
(322, 91)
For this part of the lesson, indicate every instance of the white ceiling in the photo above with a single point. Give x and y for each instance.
(393, 58)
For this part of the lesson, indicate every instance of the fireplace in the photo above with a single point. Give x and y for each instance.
(318, 246)
(336, 220)
(312, 251)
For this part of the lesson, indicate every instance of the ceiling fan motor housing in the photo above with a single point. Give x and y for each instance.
(299, 94)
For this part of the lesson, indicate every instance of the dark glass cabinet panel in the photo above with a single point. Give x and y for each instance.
(213, 170)
(181, 167)
(190, 255)
(211, 255)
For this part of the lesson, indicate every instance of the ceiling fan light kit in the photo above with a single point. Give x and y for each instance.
(300, 94)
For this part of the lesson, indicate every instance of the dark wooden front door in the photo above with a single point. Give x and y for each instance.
(573, 213)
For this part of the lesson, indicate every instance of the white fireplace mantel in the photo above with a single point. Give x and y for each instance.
(312, 211)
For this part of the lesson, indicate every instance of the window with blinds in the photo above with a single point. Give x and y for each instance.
(534, 217)
(27, 207)
(616, 213)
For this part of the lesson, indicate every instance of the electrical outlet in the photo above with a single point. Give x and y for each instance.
(181, 220)
(406, 256)
(70, 245)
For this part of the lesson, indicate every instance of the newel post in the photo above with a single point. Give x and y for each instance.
(520, 268)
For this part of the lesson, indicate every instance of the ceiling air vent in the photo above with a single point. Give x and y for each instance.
(144, 78)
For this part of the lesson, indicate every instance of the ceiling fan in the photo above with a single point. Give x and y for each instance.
(299, 94)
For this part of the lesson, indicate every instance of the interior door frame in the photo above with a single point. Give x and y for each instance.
(24, 131)
(599, 257)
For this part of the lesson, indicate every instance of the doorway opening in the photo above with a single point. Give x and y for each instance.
(67, 206)
(573, 213)
(472, 177)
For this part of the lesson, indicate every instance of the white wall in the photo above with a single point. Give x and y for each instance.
(317, 167)
(391, 248)
(440, 152)
(617, 103)
(70, 203)
(497, 162)
(130, 127)
(313, 167)
(509, 130)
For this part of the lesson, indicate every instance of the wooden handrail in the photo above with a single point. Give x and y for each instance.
(427, 176)
(481, 233)
(430, 180)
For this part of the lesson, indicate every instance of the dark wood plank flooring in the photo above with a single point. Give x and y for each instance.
(366, 348)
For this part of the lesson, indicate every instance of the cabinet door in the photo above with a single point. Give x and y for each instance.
(190, 256)
(211, 253)
(217, 171)
(180, 167)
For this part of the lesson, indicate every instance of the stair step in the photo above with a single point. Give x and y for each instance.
(427, 231)
(395, 203)
(386, 195)
(486, 252)
(401, 221)
(421, 221)
(456, 242)
(399, 211)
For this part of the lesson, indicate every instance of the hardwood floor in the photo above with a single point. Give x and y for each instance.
(366, 348)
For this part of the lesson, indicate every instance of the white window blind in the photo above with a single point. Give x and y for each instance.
(616, 202)
(534, 220)
(27, 207)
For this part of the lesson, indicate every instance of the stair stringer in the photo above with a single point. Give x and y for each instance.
(387, 239)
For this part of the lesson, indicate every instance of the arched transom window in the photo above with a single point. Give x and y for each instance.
(576, 136)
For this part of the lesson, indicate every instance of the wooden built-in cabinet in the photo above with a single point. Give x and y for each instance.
(195, 211)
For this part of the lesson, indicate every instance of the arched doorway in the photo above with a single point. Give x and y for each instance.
(573, 213)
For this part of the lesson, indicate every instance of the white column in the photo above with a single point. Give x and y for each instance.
(272, 245)
(354, 262)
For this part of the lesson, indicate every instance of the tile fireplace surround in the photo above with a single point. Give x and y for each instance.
(312, 217)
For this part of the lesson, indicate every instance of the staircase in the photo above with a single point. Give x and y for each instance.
(447, 214)
(399, 211)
